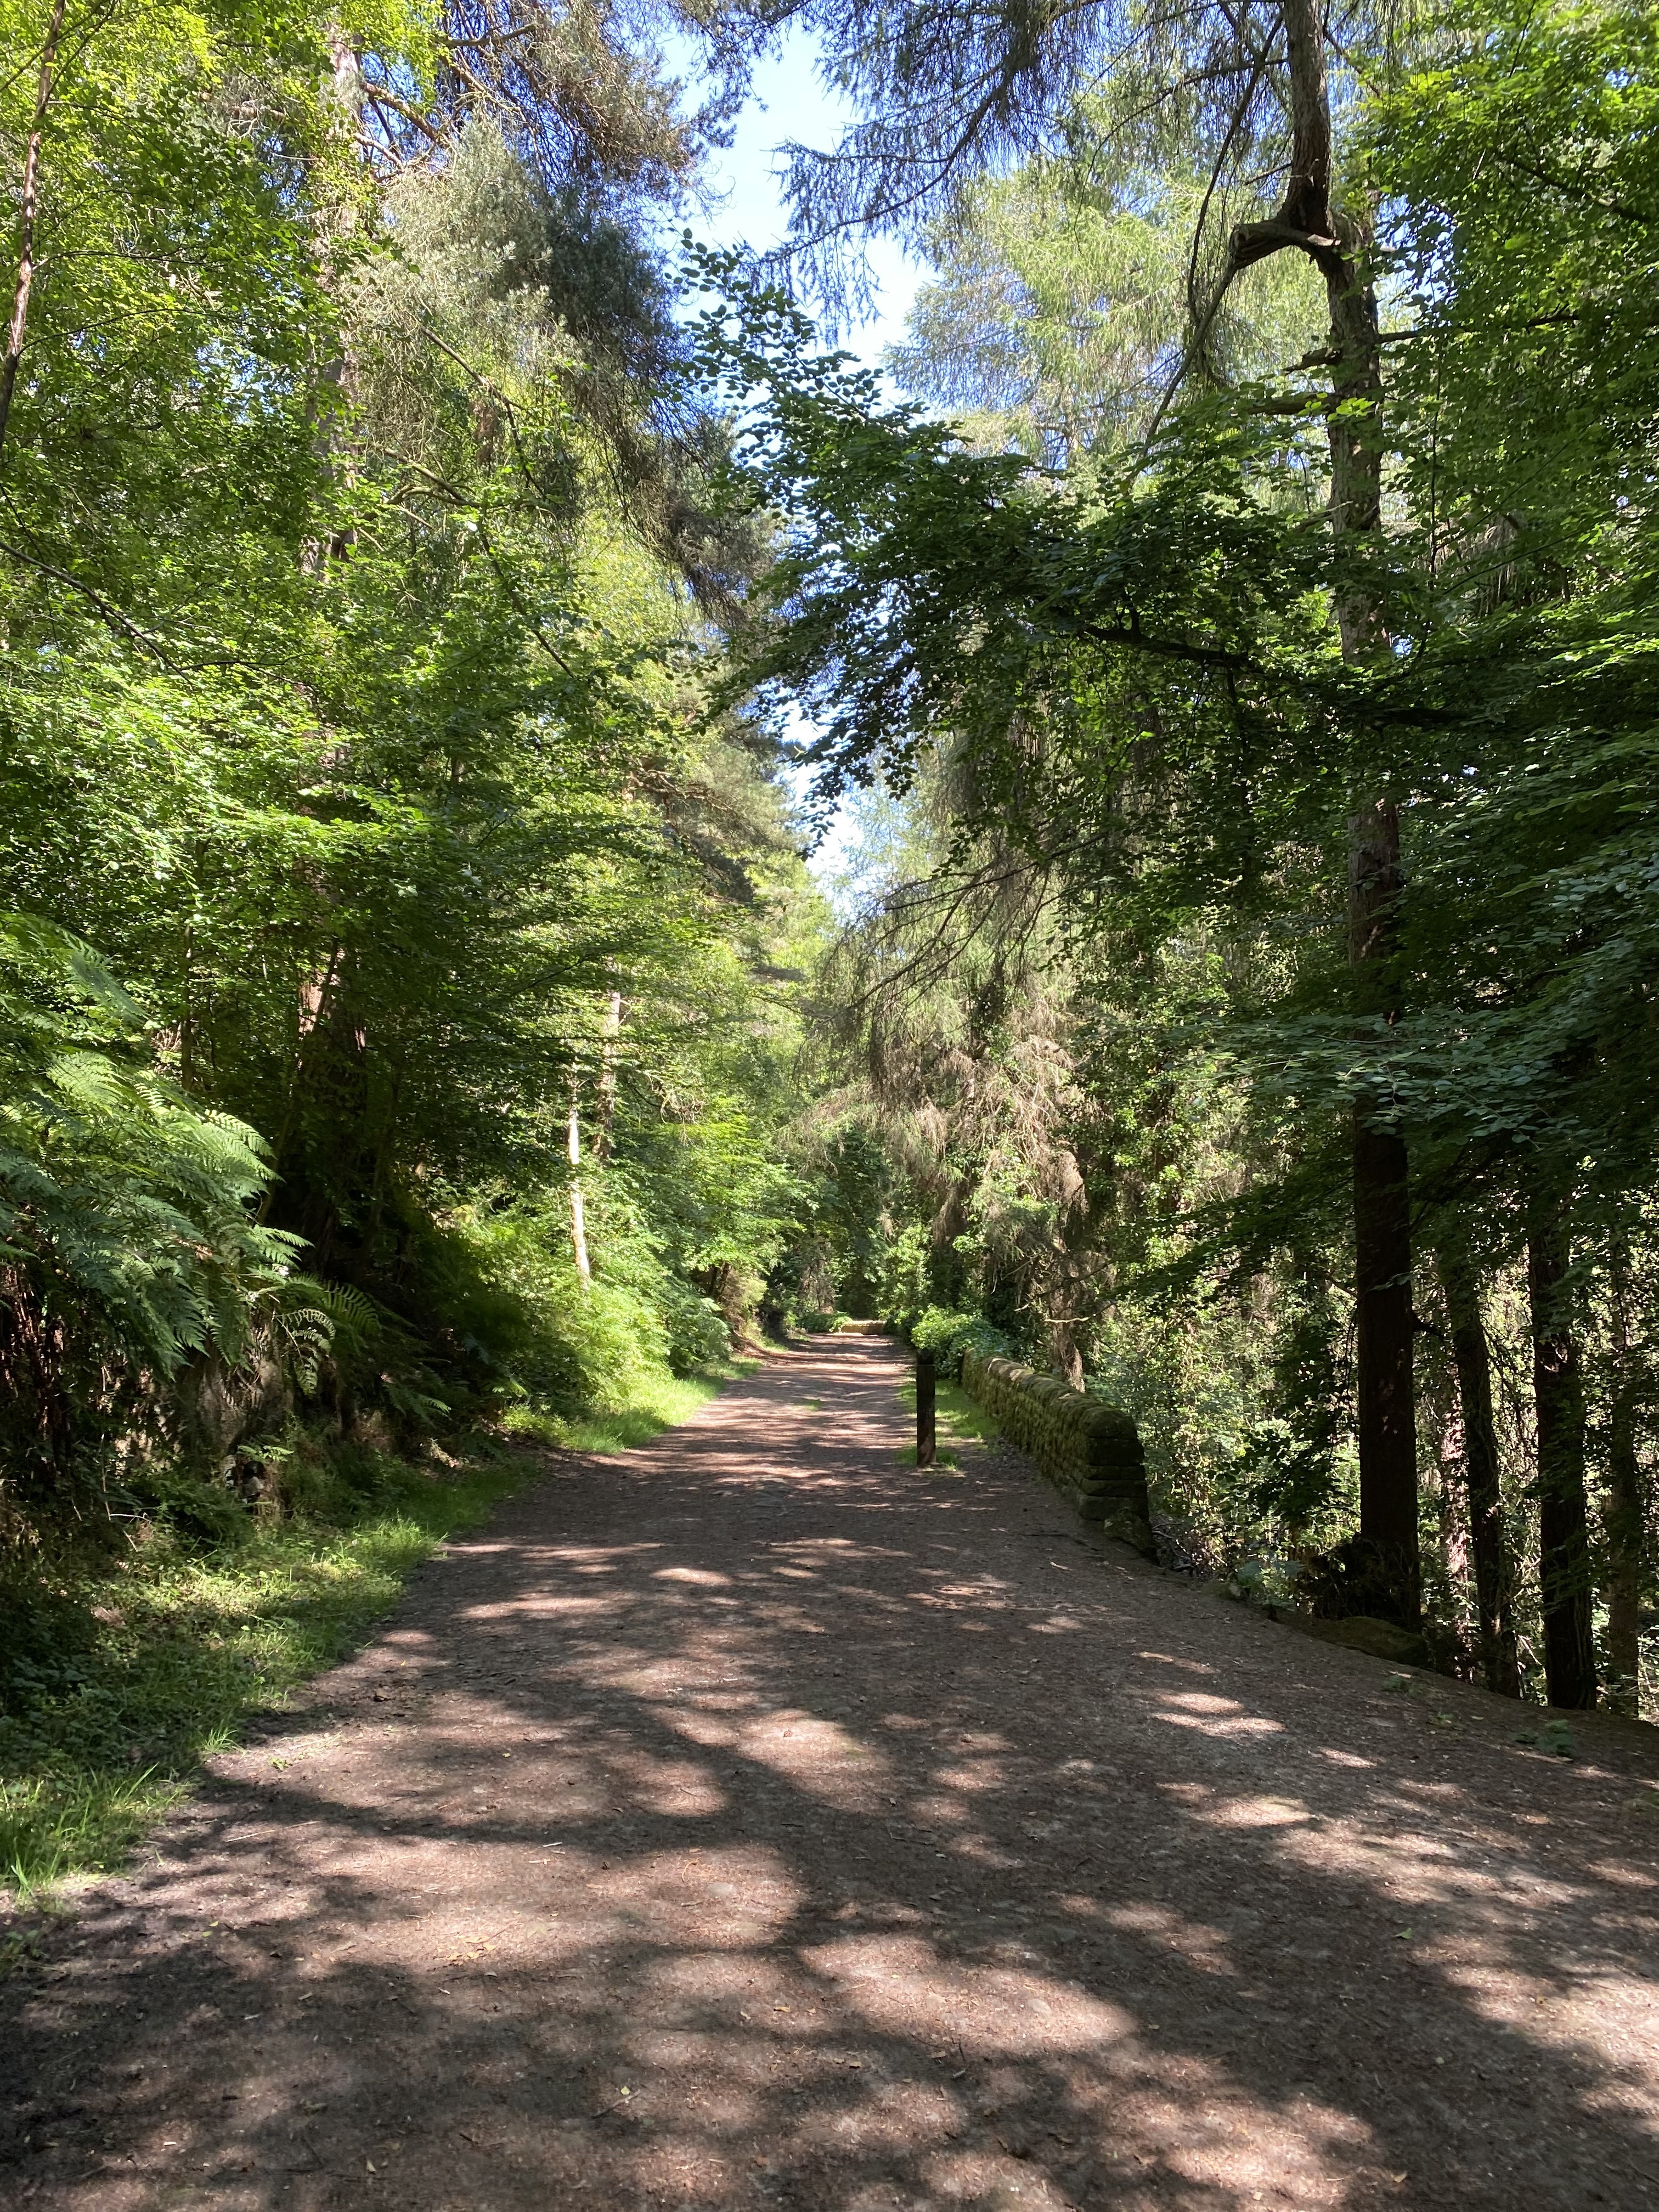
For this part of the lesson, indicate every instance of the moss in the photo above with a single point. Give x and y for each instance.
(1090, 1450)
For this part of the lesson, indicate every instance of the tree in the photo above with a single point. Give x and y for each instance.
(1126, 667)
(1493, 1590)
(1243, 95)
(362, 572)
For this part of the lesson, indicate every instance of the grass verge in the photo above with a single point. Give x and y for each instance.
(183, 1641)
(659, 1402)
(956, 1420)
(169, 1649)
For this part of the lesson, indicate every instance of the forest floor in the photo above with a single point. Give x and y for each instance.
(749, 1819)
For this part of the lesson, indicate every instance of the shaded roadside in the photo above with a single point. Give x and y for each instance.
(748, 1818)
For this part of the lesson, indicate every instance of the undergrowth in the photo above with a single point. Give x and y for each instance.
(119, 1674)
(658, 1401)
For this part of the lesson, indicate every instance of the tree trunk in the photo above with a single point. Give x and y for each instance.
(31, 203)
(1066, 1359)
(1563, 1562)
(1472, 1358)
(1337, 242)
(725, 1286)
(1625, 1519)
(316, 1005)
(578, 1212)
(1453, 1560)
(335, 223)
(609, 1045)
(187, 1012)
(1387, 1413)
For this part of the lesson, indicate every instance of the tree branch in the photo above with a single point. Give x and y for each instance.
(1168, 648)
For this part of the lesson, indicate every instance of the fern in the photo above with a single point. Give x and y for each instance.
(128, 1244)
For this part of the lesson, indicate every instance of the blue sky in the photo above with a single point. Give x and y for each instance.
(788, 102)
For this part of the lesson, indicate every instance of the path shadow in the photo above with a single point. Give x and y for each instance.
(785, 1829)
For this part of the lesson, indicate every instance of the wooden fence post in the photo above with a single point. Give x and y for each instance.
(924, 1437)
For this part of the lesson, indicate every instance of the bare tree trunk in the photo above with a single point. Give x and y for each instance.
(610, 1038)
(20, 304)
(1338, 242)
(1564, 1561)
(578, 1212)
(1492, 1588)
(1066, 1357)
(1625, 1519)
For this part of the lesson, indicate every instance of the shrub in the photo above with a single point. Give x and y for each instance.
(948, 1334)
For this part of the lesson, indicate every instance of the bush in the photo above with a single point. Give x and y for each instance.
(129, 1245)
(567, 1344)
(947, 1335)
(697, 1334)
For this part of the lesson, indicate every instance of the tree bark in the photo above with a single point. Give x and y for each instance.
(1454, 1553)
(1390, 1570)
(1384, 1563)
(1564, 1561)
(578, 1211)
(316, 1005)
(187, 1012)
(335, 221)
(1066, 1359)
(609, 1046)
(1624, 1517)
(1495, 1635)
(31, 203)
(1386, 1407)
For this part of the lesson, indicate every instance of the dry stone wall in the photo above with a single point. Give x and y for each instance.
(1090, 1451)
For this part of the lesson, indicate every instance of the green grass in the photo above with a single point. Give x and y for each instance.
(185, 1640)
(660, 1402)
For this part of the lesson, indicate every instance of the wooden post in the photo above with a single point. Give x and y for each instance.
(925, 1439)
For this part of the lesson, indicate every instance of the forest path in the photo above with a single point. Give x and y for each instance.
(752, 1820)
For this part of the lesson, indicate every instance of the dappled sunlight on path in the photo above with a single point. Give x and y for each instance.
(750, 1819)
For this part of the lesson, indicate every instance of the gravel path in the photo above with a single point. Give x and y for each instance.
(751, 1820)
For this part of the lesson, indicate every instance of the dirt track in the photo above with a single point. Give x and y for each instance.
(750, 1821)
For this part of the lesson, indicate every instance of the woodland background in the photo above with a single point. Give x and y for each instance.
(1231, 626)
